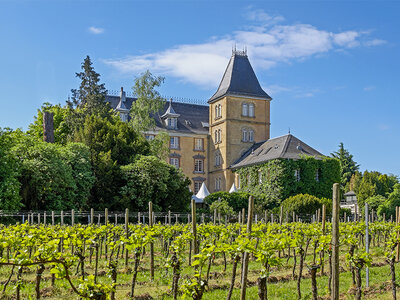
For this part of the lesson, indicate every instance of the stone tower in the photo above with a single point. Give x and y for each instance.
(239, 116)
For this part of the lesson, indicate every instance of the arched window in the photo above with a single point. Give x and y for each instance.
(251, 110)
(216, 112)
(218, 159)
(250, 135)
(219, 110)
(245, 109)
(219, 135)
(244, 135)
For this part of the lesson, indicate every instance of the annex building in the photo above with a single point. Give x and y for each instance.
(211, 142)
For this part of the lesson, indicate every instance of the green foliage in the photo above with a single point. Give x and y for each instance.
(389, 206)
(9, 173)
(371, 184)
(52, 176)
(159, 146)
(304, 204)
(62, 130)
(221, 207)
(348, 166)
(150, 179)
(112, 143)
(275, 180)
(375, 201)
(149, 101)
(237, 200)
(91, 93)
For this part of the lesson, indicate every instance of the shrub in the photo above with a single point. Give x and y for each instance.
(304, 204)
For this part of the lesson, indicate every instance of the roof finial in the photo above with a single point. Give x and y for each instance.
(289, 130)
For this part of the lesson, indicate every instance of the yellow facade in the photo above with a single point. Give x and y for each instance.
(231, 144)
(188, 154)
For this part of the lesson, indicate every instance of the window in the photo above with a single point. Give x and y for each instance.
(174, 161)
(248, 180)
(171, 123)
(149, 137)
(245, 109)
(198, 144)
(297, 175)
(317, 171)
(218, 111)
(218, 184)
(218, 133)
(251, 110)
(197, 186)
(218, 159)
(239, 182)
(247, 135)
(198, 165)
(251, 135)
(123, 117)
(260, 177)
(174, 142)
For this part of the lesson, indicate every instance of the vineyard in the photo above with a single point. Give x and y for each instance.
(172, 261)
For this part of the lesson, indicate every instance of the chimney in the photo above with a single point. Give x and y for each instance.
(48, 127)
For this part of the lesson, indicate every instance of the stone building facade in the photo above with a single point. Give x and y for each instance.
(207, 140)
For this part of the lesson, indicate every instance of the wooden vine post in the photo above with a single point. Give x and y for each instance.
(246, 254)
(397, 223)
(91, 216)
(323, 233)
(194, 230)
(151, 243)
(335, 241)
(126, 234)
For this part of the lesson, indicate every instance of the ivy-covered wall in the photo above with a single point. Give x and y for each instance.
(275, 180)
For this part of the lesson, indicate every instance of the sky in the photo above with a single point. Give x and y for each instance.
(331, 67)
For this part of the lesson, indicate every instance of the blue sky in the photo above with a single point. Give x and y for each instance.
(331, 67)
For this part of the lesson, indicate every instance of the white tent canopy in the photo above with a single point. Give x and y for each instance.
(233, 188)
(203, 192)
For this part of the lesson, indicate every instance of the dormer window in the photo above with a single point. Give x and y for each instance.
(172, 123)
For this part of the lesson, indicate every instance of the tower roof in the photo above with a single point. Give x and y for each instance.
(170, 112)
(239, 79)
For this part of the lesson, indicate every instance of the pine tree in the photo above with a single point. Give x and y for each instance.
(91, 95)
(348, 166)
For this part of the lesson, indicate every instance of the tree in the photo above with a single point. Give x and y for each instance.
(304, 204)
(62, 130)
(112, 143)
(89, 98)
(148, 103)
(222, 207)
(348, 166)
(389, 206)
(9, 173)
(237, 200)
(150, 179)
(52, 176)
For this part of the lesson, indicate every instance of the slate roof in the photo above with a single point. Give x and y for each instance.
(239, 80)
(287, 146)
(193, 118)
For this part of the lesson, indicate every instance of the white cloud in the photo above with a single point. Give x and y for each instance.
(369, 88)
(95, 30)
(268, 44)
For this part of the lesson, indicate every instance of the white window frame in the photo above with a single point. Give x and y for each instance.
(245, 109)
(149, 137)
(199, 165)
(174, 142)
(244, 135)
(297, 175)
(317, 175)
(198, 144)
(260, 177)
(251, 110)
(250, 135)
(219, 110)
(174, 161)
(197, 186)
(217, 184)
(219, 135)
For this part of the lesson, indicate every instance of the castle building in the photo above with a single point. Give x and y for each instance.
(207, 140)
